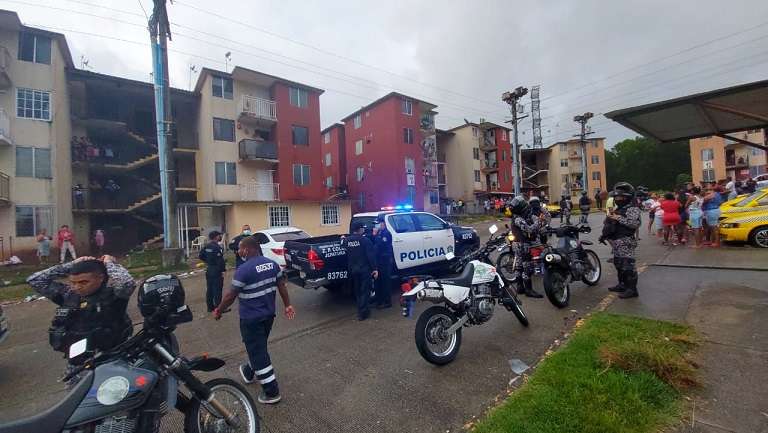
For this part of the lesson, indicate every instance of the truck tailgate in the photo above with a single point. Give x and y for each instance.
(328, 259)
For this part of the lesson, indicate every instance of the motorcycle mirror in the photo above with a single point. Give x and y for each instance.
(78, 348)
(450, 256)
(493, 229)
(506, 226)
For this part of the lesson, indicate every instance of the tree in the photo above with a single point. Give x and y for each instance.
(682, 179)
(643, 161)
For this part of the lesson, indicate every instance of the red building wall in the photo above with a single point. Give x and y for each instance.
(337, 148)
(288, 154)
(383, 157)
(505, 165)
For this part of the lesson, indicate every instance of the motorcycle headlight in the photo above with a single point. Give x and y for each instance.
(549, 258)
(113, 390)
(511, 237)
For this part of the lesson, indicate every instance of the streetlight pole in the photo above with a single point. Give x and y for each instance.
(583, 119)
(511, 98)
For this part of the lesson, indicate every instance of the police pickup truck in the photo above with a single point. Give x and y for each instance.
(420, 241)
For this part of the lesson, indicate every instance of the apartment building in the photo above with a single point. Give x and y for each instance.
(259, 158)
(716, 158)
(557, 170)
(391, 152)
(35, 175)
(114, 141)
(334, 153)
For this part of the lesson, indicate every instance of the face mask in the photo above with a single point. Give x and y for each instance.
(247, 232)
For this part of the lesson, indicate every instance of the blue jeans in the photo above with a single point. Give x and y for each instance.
(255, 333)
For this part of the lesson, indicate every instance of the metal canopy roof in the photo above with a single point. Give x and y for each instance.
(718, 112)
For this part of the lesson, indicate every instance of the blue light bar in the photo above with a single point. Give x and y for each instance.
(399, 207)
(407, 206)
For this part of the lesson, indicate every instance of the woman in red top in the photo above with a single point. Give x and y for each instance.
(671, 220)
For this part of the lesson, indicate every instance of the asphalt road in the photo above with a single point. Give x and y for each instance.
(336, 374)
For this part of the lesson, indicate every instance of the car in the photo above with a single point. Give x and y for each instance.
(749, 227)
(3, 326)
(553, 209)
(746, 203)
(273, 241)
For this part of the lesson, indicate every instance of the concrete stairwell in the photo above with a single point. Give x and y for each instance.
(143, 202)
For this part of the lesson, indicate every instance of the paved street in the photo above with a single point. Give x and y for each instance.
(337, 374)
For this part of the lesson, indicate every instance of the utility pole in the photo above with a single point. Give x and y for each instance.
(583, 119)
(160, 32)
(511, 98)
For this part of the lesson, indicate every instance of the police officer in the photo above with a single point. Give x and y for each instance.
(619, 227)
(526, 228)
(382, 243)
(92, 304)
(362, 267)
(584, 206)
(254, 285)
(213, 256)
(565, 209)
(234, 245)
(541, 212)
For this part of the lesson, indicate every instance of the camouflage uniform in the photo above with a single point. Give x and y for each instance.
(531, 228)
(624, 248)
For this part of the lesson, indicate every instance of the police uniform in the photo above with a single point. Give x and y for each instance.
(255, 282)
(621, 232)
(565, 210)
(584, 207)
(361, 263)
(526, 230)
(213, 256)
(385, 261)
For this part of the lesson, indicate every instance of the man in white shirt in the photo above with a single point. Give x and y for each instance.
(730, 188)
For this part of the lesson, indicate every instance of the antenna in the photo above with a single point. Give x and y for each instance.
(84, 63)
(192, 70)
(227, 59)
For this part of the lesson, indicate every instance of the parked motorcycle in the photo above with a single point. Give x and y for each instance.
(130, 388)
(557, 266)
(468, 299)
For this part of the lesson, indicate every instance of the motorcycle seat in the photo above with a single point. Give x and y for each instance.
(53, 419)
(464, 279)
(587, 242)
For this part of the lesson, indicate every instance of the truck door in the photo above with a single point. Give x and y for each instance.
(437, 237)
(406, 240)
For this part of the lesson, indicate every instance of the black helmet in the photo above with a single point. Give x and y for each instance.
(584, 193)
(519, 206)
(625, 191)
(161, 301)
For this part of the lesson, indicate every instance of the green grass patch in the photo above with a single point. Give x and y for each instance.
(617, 374)
(14, 293)
(476, 219)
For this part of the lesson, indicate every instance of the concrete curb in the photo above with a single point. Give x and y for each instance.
(724, 268)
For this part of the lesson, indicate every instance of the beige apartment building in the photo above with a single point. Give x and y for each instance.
(35, 166)
(715, 158)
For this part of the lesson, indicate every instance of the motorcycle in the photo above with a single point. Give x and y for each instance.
(468, 299)
(130, 388)
(557, 266)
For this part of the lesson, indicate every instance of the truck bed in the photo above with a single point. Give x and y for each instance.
(330, 260)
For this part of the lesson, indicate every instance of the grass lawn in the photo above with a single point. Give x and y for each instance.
(617, 374)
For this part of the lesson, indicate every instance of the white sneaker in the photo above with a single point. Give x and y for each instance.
(245, 372)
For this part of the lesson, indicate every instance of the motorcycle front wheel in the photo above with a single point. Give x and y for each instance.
(556, 287)
(235, 398)
(505, 264)
(434, 343)
(517, 310)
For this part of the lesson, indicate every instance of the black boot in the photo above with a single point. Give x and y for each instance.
(618, 287)
(520, 286)
(529, 290)
(630, 283)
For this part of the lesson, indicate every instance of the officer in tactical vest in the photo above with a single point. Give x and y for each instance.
(361, 259)
(619, 227)
(526, 228)
(213, 256)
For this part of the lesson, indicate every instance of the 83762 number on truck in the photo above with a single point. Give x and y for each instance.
(420, 242)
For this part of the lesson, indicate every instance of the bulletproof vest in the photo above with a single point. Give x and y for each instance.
(520, 235)
(613, 230)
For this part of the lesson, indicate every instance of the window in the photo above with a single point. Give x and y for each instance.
(328, 159)
(756, 170)
(564, 162)
(31, 219)
(402, 223)
(563, 147)
(476, 153)
(327, 137)
(757, 152)
(358, 121)
(707, 154)
(595, 144)
(298, 97)
(477, 175)
(33, 162)
(329, 182)
(595, 159)
(504, 134)
(565, 178)
(410, 166)
(429, 222)
(407, 106)
(223, 129)
(474, 131)
(221, 87)
(503, 155)
(433, 197)
(300, 135)
(361, 200)
(34, 48)
(279, 216)
(33, 104)
(226, 173)
(359, 147)
(329, 214)
(506, 176)
(360, 174)
(408, 135)
(595, 175)
(411, 194)
(708, 175)
(300, 174)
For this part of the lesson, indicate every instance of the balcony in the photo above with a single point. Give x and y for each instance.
(737, 162)
(488, 143)
(5, 129)
(255, 191)
(5, 189)
(5, 65)
(257, 110)
(489, 166)
(574, 155)
(257, 150)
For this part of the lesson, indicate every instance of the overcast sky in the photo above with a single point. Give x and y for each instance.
(587, 55)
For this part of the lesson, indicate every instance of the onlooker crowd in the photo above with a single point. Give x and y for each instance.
(83, 149)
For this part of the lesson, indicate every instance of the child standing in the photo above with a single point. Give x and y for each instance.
(43, 246)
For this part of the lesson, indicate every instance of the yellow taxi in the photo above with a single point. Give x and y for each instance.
(749, 227)
(746, 203)
(553, 209)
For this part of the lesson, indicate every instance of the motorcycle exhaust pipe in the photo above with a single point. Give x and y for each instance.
(431, 295)
(553, 258)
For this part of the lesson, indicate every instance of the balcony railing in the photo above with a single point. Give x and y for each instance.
(5, 64)
(255, 191)
(255, 150)
(258, 108)
(574, 155)
(5, 188)
(5, 128)
(489, 165)
(741, 161)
